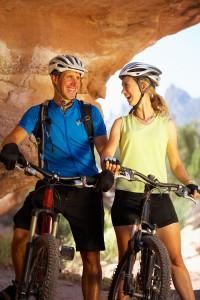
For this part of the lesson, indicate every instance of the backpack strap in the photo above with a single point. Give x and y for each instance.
(86, 116)
(43, 121)
(38, 131)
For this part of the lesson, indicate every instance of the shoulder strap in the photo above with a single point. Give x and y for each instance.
(39, 129)
(86, 115)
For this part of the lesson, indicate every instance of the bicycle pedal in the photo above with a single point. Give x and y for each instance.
(67, 253)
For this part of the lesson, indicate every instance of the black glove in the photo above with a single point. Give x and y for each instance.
(10, 154)
(192, 188)
(105, 181)
(112, 160)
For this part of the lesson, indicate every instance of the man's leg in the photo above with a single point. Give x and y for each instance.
(92, 275)
(18, 251)
(19, 242)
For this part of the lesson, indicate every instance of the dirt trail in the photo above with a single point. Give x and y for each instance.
(71, 290)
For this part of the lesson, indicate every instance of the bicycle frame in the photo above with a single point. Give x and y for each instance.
(152, 279)
(49, 224)
(42, 256)
(135, 243)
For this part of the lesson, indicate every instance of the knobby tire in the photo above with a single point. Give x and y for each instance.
(44, 268)
(160, 274)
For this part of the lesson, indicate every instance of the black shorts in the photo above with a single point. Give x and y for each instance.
(83, 208)
(127, 208)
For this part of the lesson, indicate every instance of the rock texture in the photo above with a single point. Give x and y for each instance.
(106, 34)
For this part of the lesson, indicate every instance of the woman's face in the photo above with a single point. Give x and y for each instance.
(130, 90)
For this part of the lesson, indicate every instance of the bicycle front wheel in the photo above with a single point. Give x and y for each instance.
(118, 278)
(155, 270)
(44, 268)
(150, 273)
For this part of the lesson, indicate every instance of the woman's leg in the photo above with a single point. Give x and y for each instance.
(170, 236)
(123, 235)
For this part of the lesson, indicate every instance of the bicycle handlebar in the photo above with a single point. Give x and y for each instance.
(31, 169)
(180, 190)
(90, 181)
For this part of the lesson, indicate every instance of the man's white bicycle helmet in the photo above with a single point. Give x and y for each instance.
(137, 69)
(63, 63)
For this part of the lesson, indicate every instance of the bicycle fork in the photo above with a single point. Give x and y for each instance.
(23, 287)
(128, 276)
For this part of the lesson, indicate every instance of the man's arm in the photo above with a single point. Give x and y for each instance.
(16, 136)
(10, 152)
(100, 142)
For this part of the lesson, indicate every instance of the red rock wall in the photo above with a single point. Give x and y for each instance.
(105, 34)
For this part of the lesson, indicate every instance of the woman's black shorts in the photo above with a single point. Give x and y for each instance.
(127, 208)
(83, 208)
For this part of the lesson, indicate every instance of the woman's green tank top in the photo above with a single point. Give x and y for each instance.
(143, 148)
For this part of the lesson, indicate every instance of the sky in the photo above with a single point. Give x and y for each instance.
(177, 56)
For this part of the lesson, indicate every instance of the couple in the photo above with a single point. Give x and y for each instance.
(145, 137)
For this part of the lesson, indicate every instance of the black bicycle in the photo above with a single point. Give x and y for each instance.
(144, 270)
(43, 253)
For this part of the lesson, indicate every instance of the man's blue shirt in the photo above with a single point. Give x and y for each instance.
(67, 149)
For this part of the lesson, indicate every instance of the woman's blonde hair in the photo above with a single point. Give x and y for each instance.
(157, 102)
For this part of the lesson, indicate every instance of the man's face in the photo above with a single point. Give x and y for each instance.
(68, 83)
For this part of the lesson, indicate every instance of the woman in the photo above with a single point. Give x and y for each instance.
(145, 138)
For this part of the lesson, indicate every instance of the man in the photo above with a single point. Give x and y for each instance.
(67, 151)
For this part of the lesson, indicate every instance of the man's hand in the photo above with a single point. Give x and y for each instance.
(105, 181)
(10, 154)
(112, 164)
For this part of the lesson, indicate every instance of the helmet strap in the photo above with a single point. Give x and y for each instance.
(64, 102)
(134, 107)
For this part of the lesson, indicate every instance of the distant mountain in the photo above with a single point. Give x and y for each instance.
(183, 108)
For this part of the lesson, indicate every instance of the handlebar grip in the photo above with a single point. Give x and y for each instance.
(22, 162)
(1, 158)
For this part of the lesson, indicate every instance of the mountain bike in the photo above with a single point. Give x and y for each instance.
(43, 253)
(144, 270)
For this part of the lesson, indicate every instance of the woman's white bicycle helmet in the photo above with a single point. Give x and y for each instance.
(63, 63)
(137, 69)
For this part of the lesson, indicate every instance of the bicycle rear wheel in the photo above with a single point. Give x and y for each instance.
(44, 268)
(150, 275)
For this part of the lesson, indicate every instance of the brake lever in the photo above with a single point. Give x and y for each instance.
(125, 173)
(184, 192)
(85, 184)
(28, 170)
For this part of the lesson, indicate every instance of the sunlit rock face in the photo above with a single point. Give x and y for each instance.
(105, 34)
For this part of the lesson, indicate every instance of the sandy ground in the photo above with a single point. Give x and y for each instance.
(69, 285)
(69, 288)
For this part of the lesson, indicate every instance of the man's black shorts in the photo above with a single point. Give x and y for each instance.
(127, 208)
(83, 208)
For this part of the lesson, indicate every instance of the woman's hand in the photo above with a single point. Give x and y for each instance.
(194, 190)
(112, 164)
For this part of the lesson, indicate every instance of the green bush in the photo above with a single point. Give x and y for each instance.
(110, 239)
(5, 249)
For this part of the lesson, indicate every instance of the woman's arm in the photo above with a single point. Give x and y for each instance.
(176, 164)
(110, 148)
